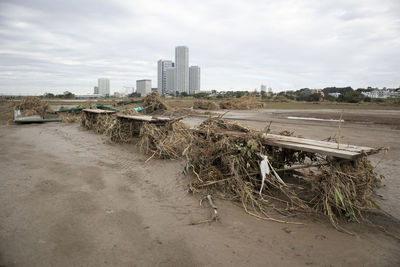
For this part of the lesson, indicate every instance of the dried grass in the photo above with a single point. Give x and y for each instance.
(205, 104)
(244, 102)
(69, 118)
(32, 105)
(167, 141)
(228, 166)
(154, 102)
(100, 123)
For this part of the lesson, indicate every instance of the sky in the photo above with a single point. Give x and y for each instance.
(54, 46)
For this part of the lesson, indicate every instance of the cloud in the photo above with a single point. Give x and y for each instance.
(66, 45)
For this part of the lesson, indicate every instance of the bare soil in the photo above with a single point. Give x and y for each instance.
(69, 197)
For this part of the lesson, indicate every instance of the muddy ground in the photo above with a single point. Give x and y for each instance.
(69, 197)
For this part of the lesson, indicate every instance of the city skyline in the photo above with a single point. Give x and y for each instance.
(47, 46)
(179, 76)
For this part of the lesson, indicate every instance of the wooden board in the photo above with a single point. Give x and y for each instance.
(145, 118)
(345, 151)
(346, 147)
(99, 111)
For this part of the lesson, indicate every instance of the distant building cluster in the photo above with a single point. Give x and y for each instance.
(383, 93)
(178, 76)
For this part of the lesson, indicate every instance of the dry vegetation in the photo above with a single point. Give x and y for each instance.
(205, 104)
(244, 102)
(32, 105)
(228, 166)
(153, 102)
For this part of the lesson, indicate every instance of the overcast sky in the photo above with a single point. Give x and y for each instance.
(53, 46)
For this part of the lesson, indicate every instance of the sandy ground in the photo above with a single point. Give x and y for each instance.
(70, 198)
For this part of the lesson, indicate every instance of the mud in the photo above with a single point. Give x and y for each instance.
(70, 198)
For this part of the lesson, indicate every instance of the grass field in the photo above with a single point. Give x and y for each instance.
(6, 106)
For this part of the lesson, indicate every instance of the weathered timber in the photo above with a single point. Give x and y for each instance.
(345, 151)
(99, 111)
(147, 118)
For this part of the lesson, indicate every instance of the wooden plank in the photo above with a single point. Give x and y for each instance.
(145, 118)
(314, 149)
(99, 111)
(314, 146)
(346, 147)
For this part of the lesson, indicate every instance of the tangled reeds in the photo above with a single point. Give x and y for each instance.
(32, 105)
(100, 123)
(154, 102)
(230, 166)
(70, 118)
(243, 168)
(244, 102)
(167, 141)
(205, 104)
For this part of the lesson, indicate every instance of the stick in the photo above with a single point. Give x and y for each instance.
(215, 182)
(340, 128)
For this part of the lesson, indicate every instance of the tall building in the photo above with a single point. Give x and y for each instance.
(96, 90)
(143, 87)
(182, 69)
(194, 80)
(170, 74)
(104, 86)
(162, 65)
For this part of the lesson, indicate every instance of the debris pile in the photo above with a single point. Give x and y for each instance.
(168, 141)
(244, 102)
(99, 122)
(32, 105)
(154, 102)
(205, 104)
(123, 130)
(234, 162)
(232, 166)
(69, 118)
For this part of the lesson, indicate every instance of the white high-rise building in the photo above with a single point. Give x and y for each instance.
(143, 87)
(104, 86)
(162, 65)
(182, 69)
(263, 88)
(194, 80)
(171, 87)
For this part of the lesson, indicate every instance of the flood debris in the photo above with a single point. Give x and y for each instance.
(97, 119)
(244, 102)
(231, 161)
(205, 105)
(32, 106)
(154, 102)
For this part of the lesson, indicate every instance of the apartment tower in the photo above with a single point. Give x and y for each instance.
(194, 80)
(171, 87)
(182, 69)
(162, 66)
(104, 86)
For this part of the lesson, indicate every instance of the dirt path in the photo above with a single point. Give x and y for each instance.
(70, 198)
